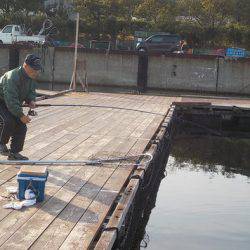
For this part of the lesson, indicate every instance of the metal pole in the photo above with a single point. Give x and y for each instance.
(73, 80)
(117, 160)
(53, 69)
(217, 74)
(51, 162)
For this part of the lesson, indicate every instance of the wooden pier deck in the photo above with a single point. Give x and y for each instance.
(78, 198)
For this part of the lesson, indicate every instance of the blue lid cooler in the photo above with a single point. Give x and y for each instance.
(34, 181)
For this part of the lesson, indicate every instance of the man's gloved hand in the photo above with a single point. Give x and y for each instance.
(32, 104)
(25, 119)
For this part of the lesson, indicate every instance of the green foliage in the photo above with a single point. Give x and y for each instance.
(203, 23)
(22, 12)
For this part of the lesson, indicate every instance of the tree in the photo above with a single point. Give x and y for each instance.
(92, 15)
(108, 17)
(241, 11)
(149, 10)
(10, 7)
(19, 11)
(210, 15)
(202, 22)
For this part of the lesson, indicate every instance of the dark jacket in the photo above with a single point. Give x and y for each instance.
(15, 88)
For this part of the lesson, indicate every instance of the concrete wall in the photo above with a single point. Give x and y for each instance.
(184, 72)
(102, 68)
(192, 74)
(111, 69)
(201, 74)
(4, 60)
(234, 76)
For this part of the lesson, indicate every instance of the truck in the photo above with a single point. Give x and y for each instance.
(11, 34)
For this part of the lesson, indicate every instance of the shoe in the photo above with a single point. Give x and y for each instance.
(17, 157)
(4, 150)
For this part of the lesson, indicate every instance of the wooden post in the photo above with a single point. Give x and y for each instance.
(73, 79)
(13, 58)
(142, 77)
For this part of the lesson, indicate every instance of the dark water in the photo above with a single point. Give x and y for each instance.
(204, 201)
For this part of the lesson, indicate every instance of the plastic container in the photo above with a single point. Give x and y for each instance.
(33, 182)
(236, 52)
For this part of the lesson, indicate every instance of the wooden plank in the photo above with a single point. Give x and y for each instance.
(64, 110)
(192, 104)
(51, 132)
(67, 125)
(58, 128)
(55, 182)
(5, 212)
(32, 228)
(3, 167)
(98, 132)
(66, 149)
(77, 143)
(11, 171)
(33, 170)
(59, 229)
(47, 147)
(151, 128)
(123, 173)
(55, 121)
(46, 92)
(87, 227)
(108, 238)
(7, 174)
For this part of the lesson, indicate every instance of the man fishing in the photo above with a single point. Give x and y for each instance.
(16, 87)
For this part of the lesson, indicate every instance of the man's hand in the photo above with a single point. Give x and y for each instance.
(25, 119)
(32, 104)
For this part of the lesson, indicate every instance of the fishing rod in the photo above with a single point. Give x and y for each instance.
(91, 106)
(57, 105)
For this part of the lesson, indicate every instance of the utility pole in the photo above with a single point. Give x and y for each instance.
(73, 79)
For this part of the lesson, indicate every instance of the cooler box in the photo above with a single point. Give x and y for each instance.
(34, 178)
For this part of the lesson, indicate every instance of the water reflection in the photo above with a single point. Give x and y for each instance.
(214, 154)
(203, 203)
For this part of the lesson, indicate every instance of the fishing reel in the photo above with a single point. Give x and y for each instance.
(32, 112)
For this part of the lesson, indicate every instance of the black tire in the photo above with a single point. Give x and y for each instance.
(1, 42)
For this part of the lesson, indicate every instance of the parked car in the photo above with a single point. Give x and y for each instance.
(162, 43)
(14, 34)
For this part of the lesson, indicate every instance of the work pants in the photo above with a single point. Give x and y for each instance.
(12, 128)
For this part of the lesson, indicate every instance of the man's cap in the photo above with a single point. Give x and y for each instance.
(33, 61)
